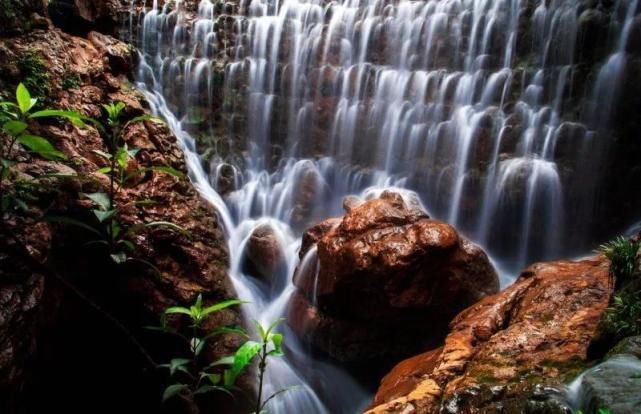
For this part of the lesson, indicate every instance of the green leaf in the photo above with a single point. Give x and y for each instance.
(14, 128)
(228, 360)
(177, 309)
(220, 306)
(41, 147)
(73, 116)
(72, 222)
(169, 225)
(128, 245)
(119, 258)
(214, 378)
(277, 340)
(199, 302)
(101, 199)
(122, 157)
(146, 202)
(172, 391)
(21, 204)
(103, 154)
(105, 170)
(147, 117)
(197, 345)
(23, 97)
(177, 364)
(272, 326)
(260, 329)
(104, 215)
(243, 357)
(203, 389)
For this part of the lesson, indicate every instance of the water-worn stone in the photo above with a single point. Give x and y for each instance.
(415, 272)
(264, 252)
(537, 331)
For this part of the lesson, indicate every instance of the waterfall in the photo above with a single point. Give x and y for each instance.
(284, 107)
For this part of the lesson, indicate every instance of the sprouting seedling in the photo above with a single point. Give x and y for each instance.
(194, 377)
(270, 345)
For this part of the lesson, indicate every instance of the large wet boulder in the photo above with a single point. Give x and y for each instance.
(384, 280)
(510, 349)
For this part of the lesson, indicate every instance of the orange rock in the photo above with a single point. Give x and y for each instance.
(536, 331)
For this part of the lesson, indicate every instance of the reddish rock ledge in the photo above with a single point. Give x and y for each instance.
(501, 350)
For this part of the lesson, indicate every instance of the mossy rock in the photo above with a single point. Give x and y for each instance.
(35, 74)
(627, 346)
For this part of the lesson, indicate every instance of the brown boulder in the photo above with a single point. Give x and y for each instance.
(537, 331)
(264, 252)
(415, 272)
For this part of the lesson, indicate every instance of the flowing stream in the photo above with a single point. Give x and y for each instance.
(468, 103)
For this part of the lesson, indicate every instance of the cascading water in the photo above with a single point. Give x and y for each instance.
(467, 102)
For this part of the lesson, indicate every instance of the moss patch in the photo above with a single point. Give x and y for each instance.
(35, 75)
(70, 81)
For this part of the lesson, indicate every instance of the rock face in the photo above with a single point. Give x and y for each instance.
(81, 16)
(69, 72)
(502, 352)
(388, 280)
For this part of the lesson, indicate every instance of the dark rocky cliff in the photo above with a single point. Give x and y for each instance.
(60, 301)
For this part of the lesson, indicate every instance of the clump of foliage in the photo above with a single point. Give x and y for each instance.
(623, 254)
(15, 118)
(623, 316)
(600, 411)
(194, 377)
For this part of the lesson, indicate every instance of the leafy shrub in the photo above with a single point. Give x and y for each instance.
(622, 253)
(623, 316)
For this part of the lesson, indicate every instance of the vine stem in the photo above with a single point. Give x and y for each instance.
(261, 368)
(112, 187)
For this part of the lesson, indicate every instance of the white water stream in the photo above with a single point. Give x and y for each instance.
(359, 95)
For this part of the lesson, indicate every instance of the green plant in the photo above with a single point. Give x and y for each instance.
(622, 253)
(206, 378)
(118, 157)
(600, 411)
(15, 118)
(270, 345)
(193, 376)
(623, 317)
